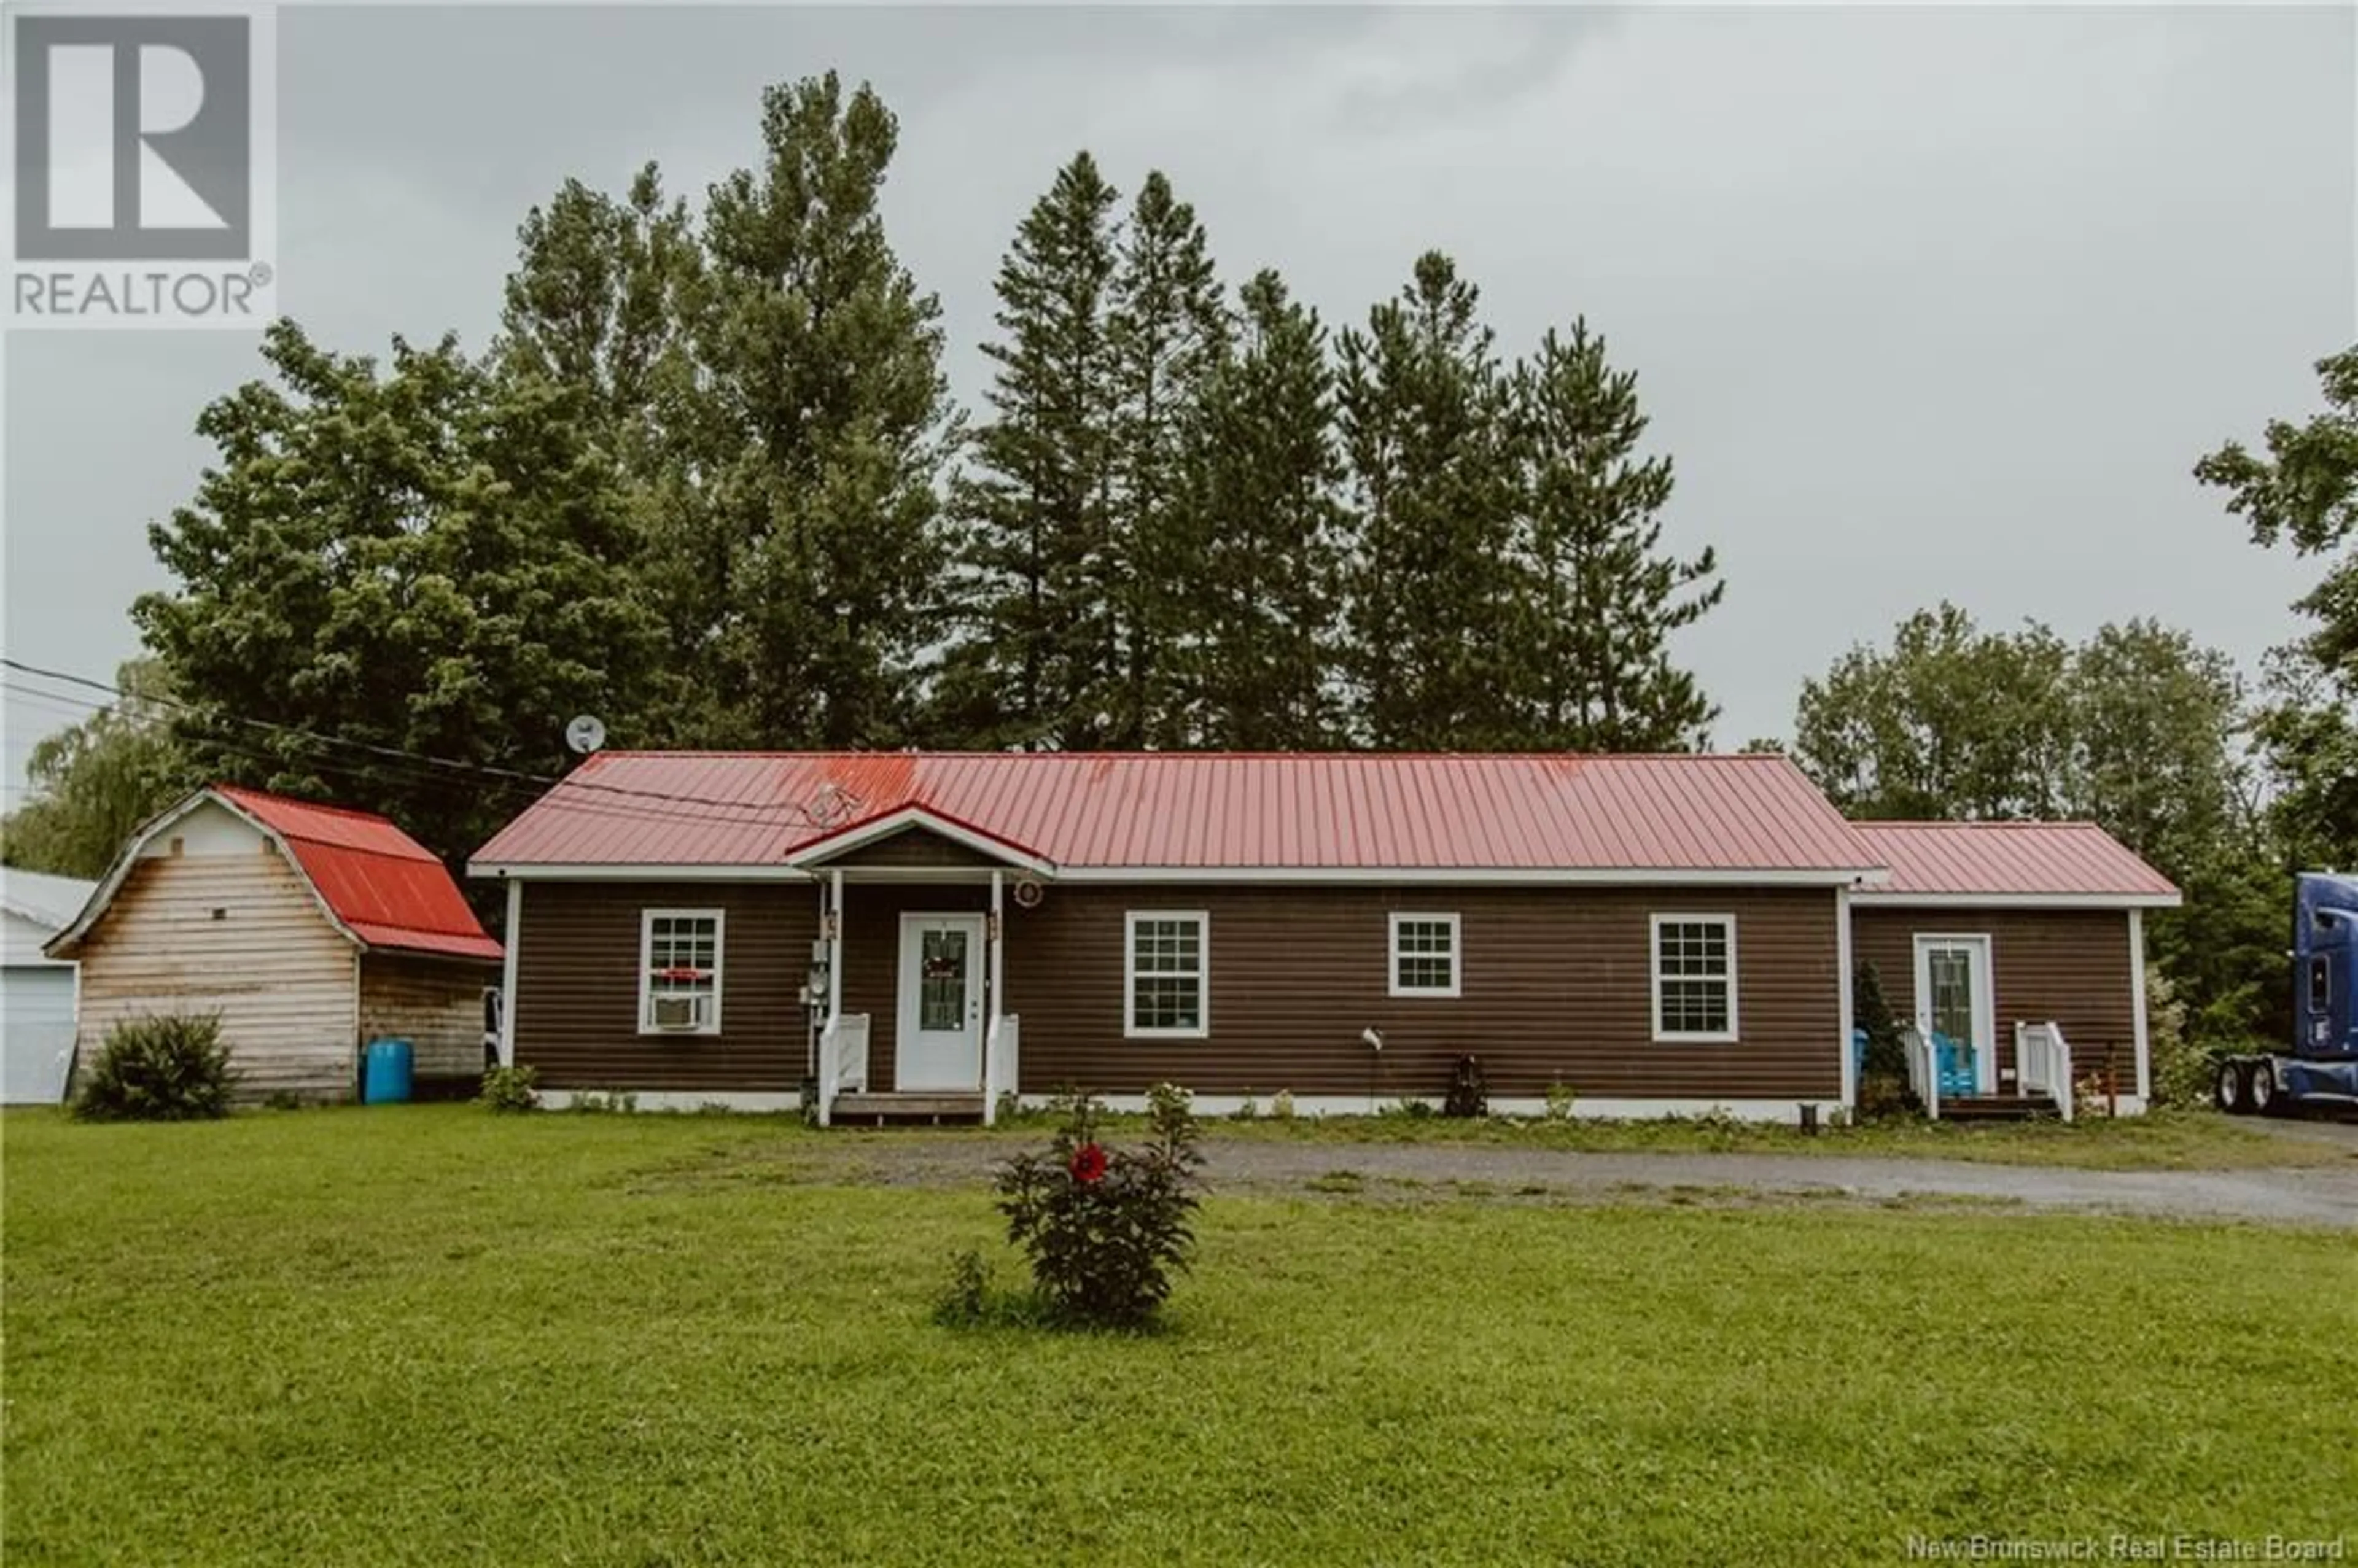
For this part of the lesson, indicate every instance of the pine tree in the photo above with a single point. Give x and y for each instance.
(1599, 600)
(1167, 329)
(1431, 452)
(826, 422)
(1037, 656)
(1272, 541)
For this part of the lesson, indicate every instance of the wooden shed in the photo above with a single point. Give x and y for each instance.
(308, 929)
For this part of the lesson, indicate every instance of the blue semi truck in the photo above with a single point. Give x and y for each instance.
(2321, 1068)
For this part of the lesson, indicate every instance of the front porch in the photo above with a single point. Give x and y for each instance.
(909, 976)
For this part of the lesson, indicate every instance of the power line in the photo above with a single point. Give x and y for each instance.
(747, 814)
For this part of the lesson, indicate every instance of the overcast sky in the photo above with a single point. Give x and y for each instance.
(1922, 302)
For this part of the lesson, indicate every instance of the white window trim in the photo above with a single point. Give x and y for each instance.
(1654, 970)
(647, 918)
(1456, 954)
(1129, 923)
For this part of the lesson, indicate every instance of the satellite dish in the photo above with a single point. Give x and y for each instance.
(585, 734)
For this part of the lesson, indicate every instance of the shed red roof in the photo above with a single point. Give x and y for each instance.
(1203, 810)
(385, 886)
(2010, 859)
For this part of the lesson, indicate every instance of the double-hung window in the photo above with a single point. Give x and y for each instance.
(1424, 955)
(1166, 975)
(1695, 977)
(679, 971)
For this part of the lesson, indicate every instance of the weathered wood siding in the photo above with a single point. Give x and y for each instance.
(576, 1002)
(238, 934)
(2067, 966)
(1555, 986)
(435, 1004)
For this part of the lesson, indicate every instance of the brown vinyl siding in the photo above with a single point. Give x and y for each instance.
(435, 1004)
(910, 846)
(576, 1002)
(1555, 986)
(236, 934)
(2067, 966)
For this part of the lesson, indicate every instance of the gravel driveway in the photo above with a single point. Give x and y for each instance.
(2307, 1196)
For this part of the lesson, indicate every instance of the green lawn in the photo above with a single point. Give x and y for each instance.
(2165, 1140)
(425, 1335)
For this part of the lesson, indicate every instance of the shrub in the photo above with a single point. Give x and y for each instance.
(963, 1301)
(1469, 1089)
(1886, 1095)
(1247, 1108)
(169, 1068)
(509, 1091)
(589, 1102)
(1886, 1057)
(1559, 1101)
(2182, 1070)
(1105, 1229)
(1281, 1105)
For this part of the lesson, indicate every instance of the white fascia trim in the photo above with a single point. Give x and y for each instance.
(141, 837)
(2020, 901)
(908, 817)
(579, 872)
(1466, 876)
(1583, 1109)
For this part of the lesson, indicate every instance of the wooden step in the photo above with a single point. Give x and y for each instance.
(879, 1109)
(1998, 1108)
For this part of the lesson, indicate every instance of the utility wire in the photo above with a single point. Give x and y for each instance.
(748, 814)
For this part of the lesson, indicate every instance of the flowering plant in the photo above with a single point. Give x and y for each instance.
(1105, 1230)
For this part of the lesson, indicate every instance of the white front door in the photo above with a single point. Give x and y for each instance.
(1955, 1010)
(937, 1027)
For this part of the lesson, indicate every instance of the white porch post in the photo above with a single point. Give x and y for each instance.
(2137, 1007)
(834, 957)
(1849, 1021)
(998, 940)
(992, 1087)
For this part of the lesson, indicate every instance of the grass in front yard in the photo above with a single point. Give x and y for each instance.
(2161, 1140)
(425, 1335)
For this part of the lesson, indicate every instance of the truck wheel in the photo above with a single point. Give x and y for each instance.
(2230, 1091)
(2266, 1099)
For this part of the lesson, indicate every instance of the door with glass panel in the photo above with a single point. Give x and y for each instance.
(937, 1027)
(1954, 1010)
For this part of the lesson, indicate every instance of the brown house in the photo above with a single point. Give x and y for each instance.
(308, 929)
(930, 932)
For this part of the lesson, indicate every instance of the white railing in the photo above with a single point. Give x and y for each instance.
(842, 1060)
(2043, 1061)
(1923, 1069)
(999, 1063)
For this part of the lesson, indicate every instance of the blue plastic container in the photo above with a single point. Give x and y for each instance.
(385, 1072)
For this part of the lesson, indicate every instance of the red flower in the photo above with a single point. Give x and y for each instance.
(1089, 1163)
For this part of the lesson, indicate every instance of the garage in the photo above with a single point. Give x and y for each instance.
(36, 993)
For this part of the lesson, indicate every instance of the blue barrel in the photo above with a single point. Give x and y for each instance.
(384, 1072)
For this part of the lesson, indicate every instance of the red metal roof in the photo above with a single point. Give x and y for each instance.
(382, 884)
(1203, 810)
(2054, 860)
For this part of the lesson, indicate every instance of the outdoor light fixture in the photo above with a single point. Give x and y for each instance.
(1374, 1037)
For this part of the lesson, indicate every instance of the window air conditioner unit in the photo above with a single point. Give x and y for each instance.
(679, 1011)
